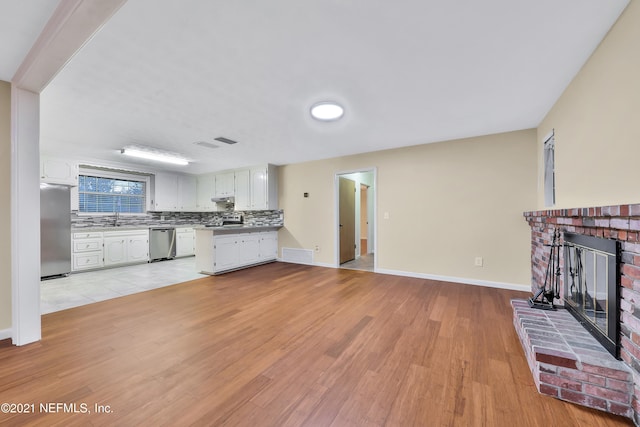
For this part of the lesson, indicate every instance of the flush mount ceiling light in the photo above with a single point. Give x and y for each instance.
(149, 155)
(327, 111)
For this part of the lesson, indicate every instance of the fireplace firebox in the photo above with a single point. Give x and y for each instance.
(591, 286)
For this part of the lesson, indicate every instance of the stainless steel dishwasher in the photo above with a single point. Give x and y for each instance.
(162, 243)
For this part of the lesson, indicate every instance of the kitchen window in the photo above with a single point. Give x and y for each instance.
(110, 192)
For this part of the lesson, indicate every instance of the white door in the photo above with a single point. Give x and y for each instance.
(242, 201)
(259, 188)
(205, 186)
(269, 245)
(138, 249)
(225, 252)
(115, 250)
(166, 192)
(187, 193)
(249, 248)
(185, 243)
(225, 184)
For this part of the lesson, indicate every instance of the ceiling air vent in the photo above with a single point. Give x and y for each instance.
(206, 144)
(225, 140)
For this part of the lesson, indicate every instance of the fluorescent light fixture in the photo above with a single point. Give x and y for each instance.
(154, 156)
(327, 111)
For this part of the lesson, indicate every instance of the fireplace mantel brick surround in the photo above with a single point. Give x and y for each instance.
(622, 223)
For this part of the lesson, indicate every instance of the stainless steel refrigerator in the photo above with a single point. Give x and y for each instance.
(55, 230)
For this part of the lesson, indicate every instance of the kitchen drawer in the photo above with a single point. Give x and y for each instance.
(127, 233)
(88, 235)
(87, 260)
(87, 245)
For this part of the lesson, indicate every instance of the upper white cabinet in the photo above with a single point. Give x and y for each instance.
(186, 193)
(263, 188)
(205, 188)
(243, 190)
(254, 188)
(174, 192)
(58, 171)
(225, 184)
(166, 192)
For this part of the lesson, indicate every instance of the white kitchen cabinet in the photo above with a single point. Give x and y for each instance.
(126, 247)
(115, 250)
(220, 253)
(256, 188)
(58, 171)
(86, 251)
(205, 189)
(165, 192)
(186, 193)
(185, 241)
(268, 245)
(249, 249)
(242, 190)
(225, 184)
(226, 252)
(138, 248)
(174, 192)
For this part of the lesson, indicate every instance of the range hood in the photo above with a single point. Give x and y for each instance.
(223, 199)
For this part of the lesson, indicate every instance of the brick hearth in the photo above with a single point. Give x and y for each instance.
(569, 364)
(621, 223)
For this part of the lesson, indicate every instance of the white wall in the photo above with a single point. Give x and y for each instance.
(448, 203)
(597, 124)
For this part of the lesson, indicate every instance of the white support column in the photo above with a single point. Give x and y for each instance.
(72, 24)
(25, 215)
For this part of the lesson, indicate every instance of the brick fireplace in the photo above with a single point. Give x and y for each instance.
(621, 223)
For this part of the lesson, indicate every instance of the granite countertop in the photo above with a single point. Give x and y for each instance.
(129, 227)
(238, 229)
(218, 230)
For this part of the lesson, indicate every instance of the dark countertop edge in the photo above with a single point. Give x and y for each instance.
(236, 230)
(129, 228)
(219, 230)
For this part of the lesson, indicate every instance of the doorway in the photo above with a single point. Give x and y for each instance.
(355, 220)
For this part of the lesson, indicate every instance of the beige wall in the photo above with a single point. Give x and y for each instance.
(447, 202)
(5, 202)
(597, 124)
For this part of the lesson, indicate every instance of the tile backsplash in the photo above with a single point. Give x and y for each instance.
(257, 218)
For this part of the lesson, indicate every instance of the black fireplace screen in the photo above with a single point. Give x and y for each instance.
(591, 286)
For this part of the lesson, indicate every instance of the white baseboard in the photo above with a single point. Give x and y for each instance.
(462, 280)
(5, 333)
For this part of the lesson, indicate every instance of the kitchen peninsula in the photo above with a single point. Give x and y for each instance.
(222, 249)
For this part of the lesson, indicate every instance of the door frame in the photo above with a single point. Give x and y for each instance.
(336, 213)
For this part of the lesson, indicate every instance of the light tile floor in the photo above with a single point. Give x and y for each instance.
(364, 262)
(92, 286)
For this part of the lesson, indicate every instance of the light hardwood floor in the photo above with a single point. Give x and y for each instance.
(287, 345)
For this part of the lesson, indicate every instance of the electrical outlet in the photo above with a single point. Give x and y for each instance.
(385, 215)
(479, 261)
(317, 248)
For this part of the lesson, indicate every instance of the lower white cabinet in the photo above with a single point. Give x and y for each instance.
(126, 247)
(220, 253)
(185, 241)
(86, 250)
(226, 252)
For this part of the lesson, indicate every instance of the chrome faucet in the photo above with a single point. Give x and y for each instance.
(115, 221)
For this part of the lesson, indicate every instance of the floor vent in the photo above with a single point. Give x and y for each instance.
(298, 256)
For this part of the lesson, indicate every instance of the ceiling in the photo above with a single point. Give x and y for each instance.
(165, 74)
